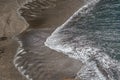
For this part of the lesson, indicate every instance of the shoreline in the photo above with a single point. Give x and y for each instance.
(51, 20)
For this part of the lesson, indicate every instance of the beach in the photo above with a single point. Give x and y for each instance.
(51, 19)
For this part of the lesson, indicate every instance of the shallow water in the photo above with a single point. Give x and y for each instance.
(34, 60)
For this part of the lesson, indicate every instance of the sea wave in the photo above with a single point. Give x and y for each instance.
(92, 35)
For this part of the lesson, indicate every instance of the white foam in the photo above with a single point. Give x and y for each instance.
(90, 72)
(16, 65)
(84, 9)
(17, 58)
(91, 56)
(53, 41)
(20, 51)
(23, 72)
(27, 76)
(20, 43)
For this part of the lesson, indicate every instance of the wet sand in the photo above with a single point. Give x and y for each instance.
(7, 69)
(53, 17)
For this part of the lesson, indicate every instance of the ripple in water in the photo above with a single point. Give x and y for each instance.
(92, 35)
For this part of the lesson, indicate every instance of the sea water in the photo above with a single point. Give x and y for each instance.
(92, 35)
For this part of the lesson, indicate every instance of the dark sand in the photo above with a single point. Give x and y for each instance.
(53, 17)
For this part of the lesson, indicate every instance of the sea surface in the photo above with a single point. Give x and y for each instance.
(92, 35)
